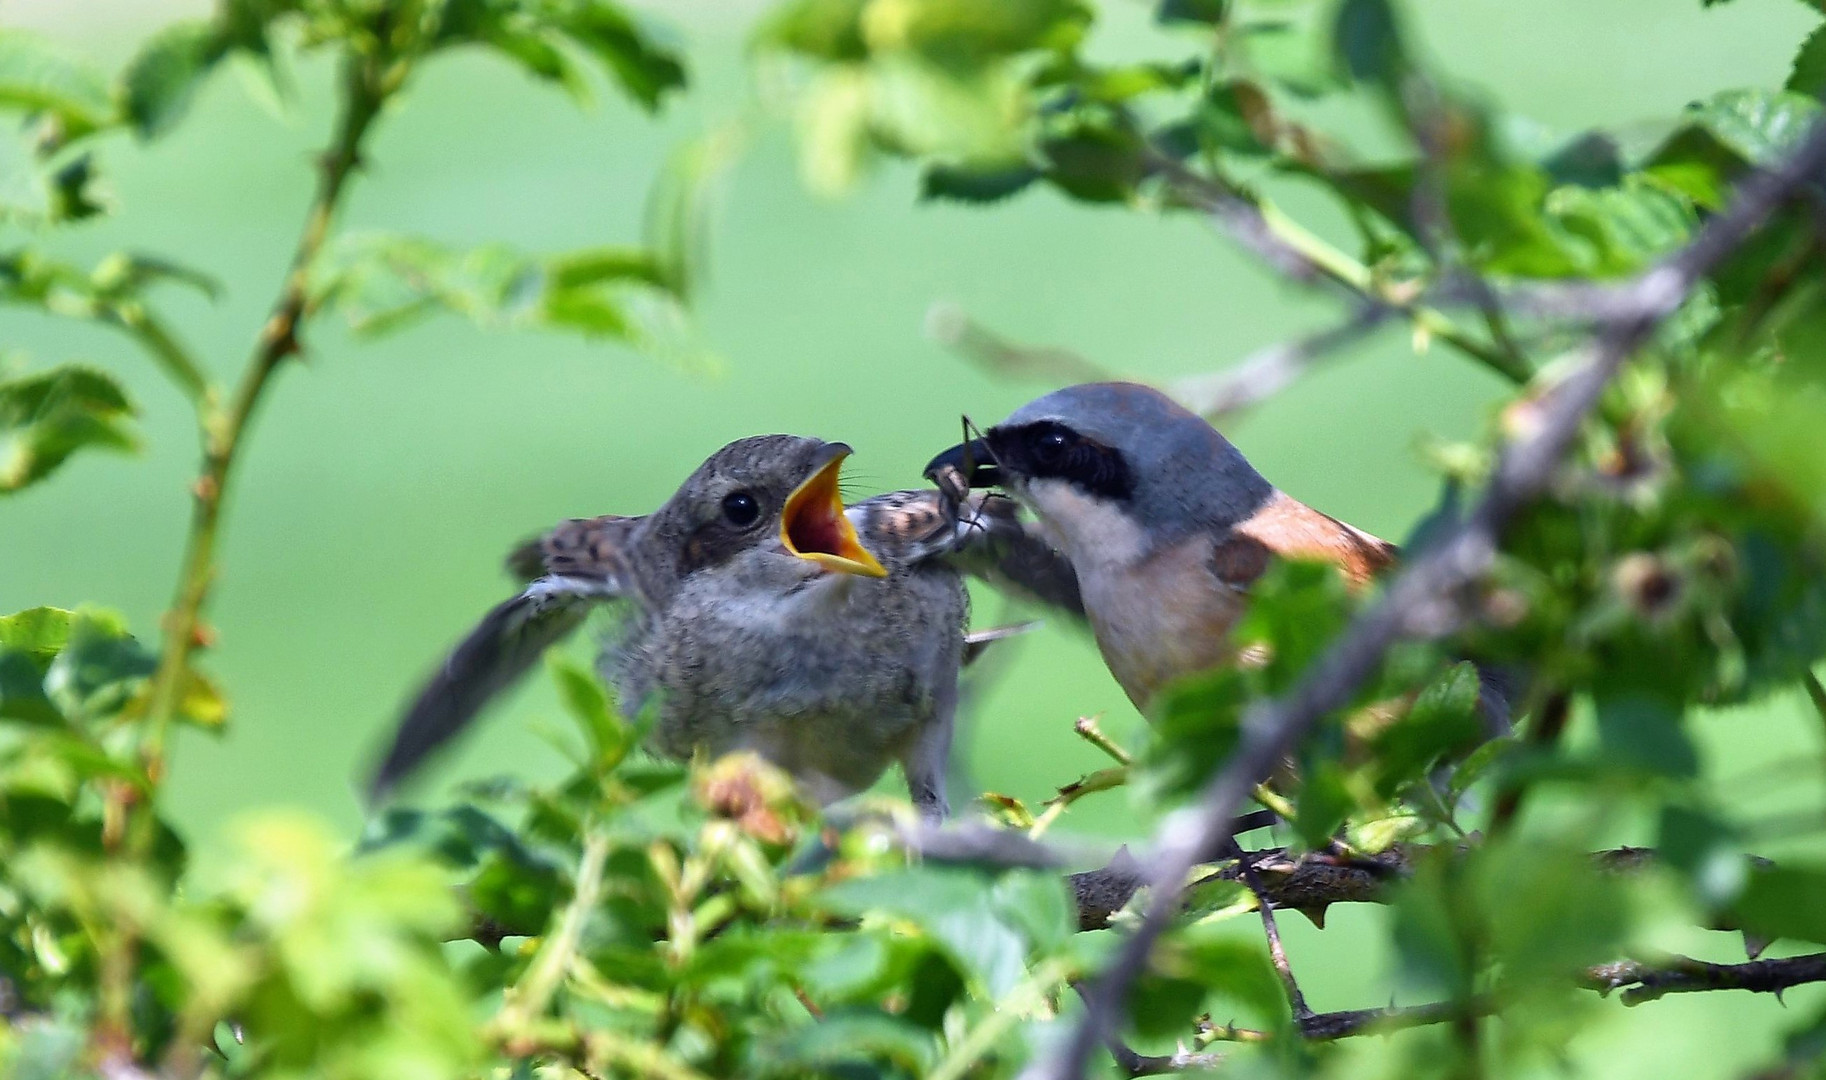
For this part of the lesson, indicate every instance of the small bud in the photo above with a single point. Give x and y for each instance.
(759, 798)
(1646, 584)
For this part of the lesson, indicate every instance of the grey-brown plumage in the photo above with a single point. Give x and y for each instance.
(758, 613)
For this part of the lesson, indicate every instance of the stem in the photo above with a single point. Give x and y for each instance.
(365, 86)
(526, 1002)
(1356, 277)
(173, 359)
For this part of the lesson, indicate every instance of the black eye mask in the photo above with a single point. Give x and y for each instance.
(1050, 450)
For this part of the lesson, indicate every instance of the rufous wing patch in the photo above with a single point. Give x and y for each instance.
(1290, 528)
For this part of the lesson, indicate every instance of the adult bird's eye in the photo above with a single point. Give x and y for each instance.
(741, 509)
(1050, 447)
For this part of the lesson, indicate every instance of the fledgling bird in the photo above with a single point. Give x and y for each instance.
(759, 614)
(1164, 523)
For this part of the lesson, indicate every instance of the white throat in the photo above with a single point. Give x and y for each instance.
(1093, 533)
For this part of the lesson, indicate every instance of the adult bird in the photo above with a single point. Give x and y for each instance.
(1164, 523)
(758, 613)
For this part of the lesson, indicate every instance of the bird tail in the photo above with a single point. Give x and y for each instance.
(495, 655)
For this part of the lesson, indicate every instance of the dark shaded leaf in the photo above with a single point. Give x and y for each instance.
(643, 68)
(975, 185)
(1637, 732)
(1807, 75)
(1367, 41)
(1208, 12)
(164, 75)
(1786, 901)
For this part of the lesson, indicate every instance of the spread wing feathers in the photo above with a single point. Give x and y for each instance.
(580, 547)
(579, 564)
(983, 535)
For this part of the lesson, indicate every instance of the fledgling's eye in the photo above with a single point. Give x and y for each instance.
(741, 509)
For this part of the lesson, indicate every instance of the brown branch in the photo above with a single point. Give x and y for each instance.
(1642, 982)
(1422, 599)
(1277, 952)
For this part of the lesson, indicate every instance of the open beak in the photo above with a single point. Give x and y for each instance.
(972, 460)
(814, 526)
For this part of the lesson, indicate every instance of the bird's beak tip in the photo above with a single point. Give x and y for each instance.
(971, 460)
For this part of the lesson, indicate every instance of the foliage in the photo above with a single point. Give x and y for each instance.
(640, 918)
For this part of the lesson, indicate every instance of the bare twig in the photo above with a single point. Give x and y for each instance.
(1350, 1023)
(1087, 729)
(1277, 953)
(1266, 372)
(952, 327)
(525, 1002)
(1642, 982)
(1420, 600)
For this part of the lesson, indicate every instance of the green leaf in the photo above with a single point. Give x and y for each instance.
(1729, 131)
(36, 79)
(381, 282)
(588, 701)
(1324, 802)
(1192, 965)
(986, 184)
(1207, 12)
(39, 633)
(100, 667)
(964, 34)
(840, 1042)
(1807, 75)
(1442, 721)
(47, 417)
(1096, 160)
(29, 641)
(1786, 901)
(680, 204)
(961, 911)
(1367, 41)
(643, 68)
(821, 29)
(1641, 733)
(162, 78)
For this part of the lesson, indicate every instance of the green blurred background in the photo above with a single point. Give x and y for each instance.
(386, 479)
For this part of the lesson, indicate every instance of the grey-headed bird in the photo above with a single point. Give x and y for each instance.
(758, 613)
(1163, 522)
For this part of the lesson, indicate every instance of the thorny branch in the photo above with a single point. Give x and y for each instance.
(1642, 982)
(1421, 600)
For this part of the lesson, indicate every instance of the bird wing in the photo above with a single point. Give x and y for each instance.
(579, 563)
(1289, 528)
(983, 535)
